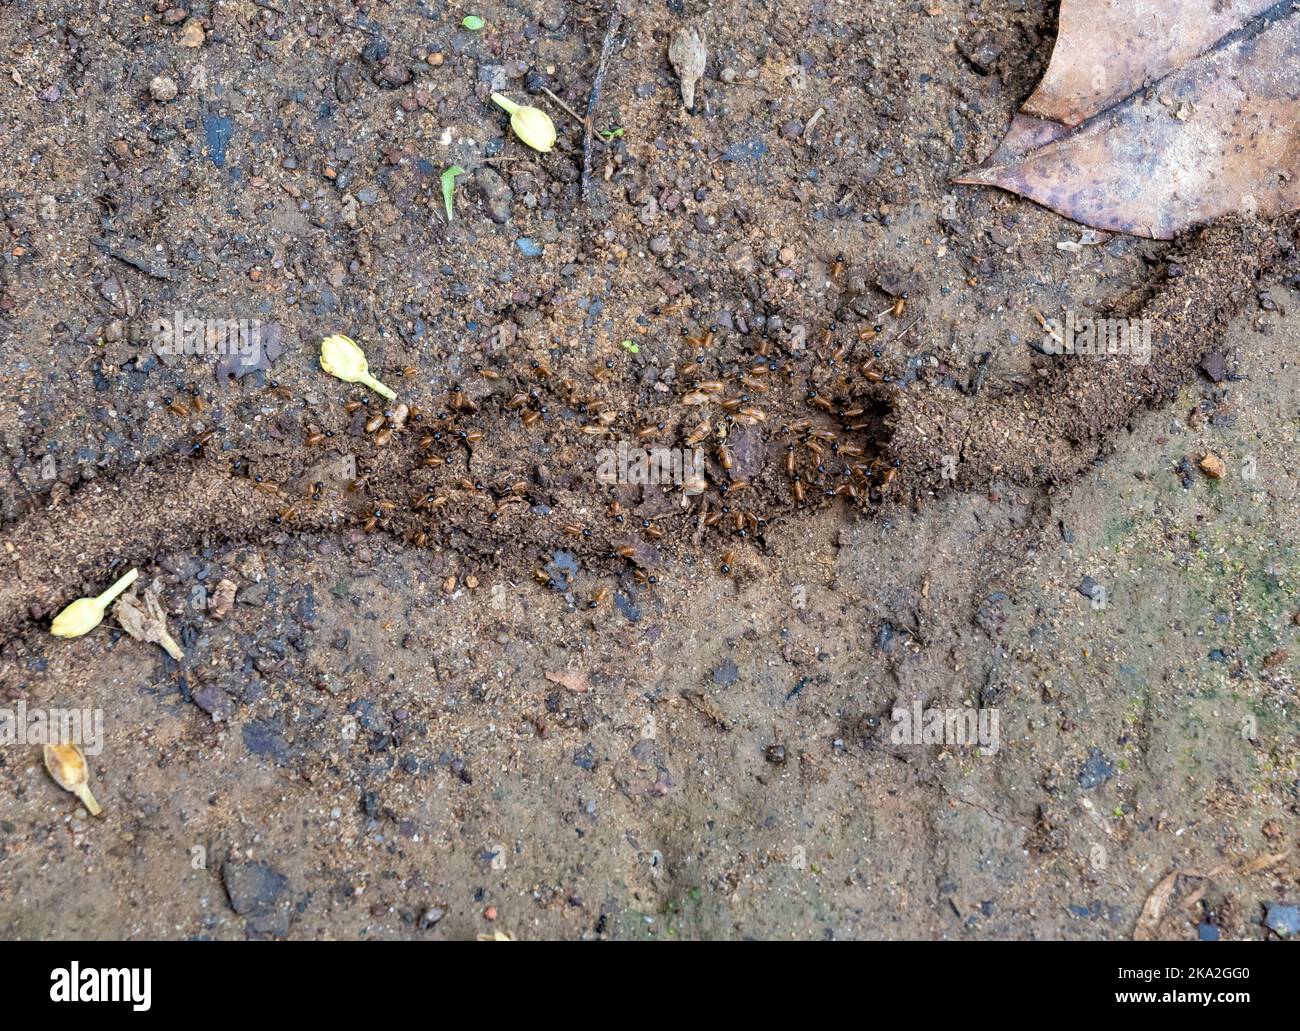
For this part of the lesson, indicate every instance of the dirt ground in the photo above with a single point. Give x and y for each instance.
(490, 694)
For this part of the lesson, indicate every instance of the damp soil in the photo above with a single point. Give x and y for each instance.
(466, 686)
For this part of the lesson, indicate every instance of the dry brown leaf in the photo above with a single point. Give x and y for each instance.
(570, 679)
(146, 621)
(687, 53)
(1160, 115)
(1148, 921)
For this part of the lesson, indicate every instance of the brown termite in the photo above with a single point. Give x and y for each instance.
(353, 406)
(176, 408)
(646, 432)
(409, 372)
(315, 438)
(871, 332)
(725, 457)
(799, 425)
(369, 525)
(542, 369)
(627, 551)
(433, 461)
(471, 436)
(383, 436)
(654, 533)
(196, 447)
(595, 429)
(789, 459)
(279, 391)
(688, 370)
(265, 486)
(464, 483)
(699, 434)
(541, 576)
(837, 267)
(374, 422)
(599, 598)
(616, 510)
(819, 402)
(572, 529)
(796, 488)
(711, 386)
(287, 514)
(421, 539)
(517, 401)
(694, 397)
(531, 419)
(728, 558)
(355, 485)
(489, 373)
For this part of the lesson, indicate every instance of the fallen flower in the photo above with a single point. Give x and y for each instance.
(531, 124)
(67, 765)
(147, 622)
(343, 359)
(84, 614)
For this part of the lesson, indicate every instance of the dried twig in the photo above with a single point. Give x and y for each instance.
(615, 22)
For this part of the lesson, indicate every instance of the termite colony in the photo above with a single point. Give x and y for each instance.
(798, 425)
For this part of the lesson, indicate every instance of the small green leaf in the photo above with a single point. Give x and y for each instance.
(630, 347)
(448, 185)
(609, 135)
(473, 22)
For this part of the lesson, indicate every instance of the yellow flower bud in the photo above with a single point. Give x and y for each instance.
(341, 357)
(67, 765)
(531, 124)
(84, 614)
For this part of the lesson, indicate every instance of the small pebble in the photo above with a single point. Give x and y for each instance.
(162, 88)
